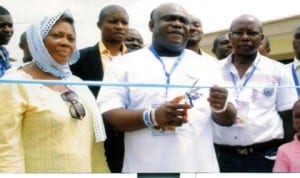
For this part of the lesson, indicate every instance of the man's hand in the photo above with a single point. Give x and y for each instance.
(218, 98)
(172, 113)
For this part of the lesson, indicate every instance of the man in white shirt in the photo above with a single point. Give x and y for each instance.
(222, 46)
(264, 106)
(163, 132)
(294, 67)
(195, 37)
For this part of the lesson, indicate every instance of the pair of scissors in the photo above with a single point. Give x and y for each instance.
(192, 93)
(189, 96)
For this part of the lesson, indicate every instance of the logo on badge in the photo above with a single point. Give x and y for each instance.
(268, 92)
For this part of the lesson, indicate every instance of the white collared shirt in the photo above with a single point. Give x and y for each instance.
(260, 103)
(192, 143)
(296, 63)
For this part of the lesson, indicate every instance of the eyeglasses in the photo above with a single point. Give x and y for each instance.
(192, 93)
(248, 33)
(76, 109)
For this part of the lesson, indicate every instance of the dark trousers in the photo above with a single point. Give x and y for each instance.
(247, 159)
(114, 149)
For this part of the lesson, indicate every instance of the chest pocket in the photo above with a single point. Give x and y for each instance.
(264, 97)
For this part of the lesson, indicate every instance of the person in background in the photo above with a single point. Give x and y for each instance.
(195, 37)
(265, 47)
(288, 155)
(50, 128)
(26, 54)
(264, 107)
(294, 66)
(24, 47)
(133, 40)
(6, 32)
(113, 23)
(163, 132)
(222, 46)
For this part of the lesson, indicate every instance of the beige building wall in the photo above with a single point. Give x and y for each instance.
(280, 33)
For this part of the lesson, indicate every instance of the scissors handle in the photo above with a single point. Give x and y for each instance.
(177, 100)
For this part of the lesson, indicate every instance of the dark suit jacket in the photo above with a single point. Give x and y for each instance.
(89, 67)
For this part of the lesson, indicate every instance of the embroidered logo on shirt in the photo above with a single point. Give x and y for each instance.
(268, 92)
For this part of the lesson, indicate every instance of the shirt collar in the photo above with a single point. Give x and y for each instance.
(105, 52)
(256, 62)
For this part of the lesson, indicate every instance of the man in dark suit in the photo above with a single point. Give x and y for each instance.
(89, 66)
(113, 24)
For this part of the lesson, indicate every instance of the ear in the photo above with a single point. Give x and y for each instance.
(99, 25)
(151, 25)
(294, 44)
(262, 36)
(213, 50)
(21, 45)
(229, 36)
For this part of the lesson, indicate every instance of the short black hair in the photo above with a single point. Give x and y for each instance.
(108, 10)
(4, 11)
(217, 39)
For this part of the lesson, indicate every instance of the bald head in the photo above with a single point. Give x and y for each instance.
(196, 34)
(195, 19)
(169, 8)
(246, 30)
(170, 25)
(247, 19)
(4, 11)
(133, 40)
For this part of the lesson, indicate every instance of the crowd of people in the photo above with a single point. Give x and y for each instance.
(234, 113)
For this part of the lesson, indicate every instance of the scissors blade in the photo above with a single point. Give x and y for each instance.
(193, 89)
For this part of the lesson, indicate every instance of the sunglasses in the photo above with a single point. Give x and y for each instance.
(76, 109)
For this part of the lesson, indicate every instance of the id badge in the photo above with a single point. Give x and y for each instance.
(163, 131)
(242, 115)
